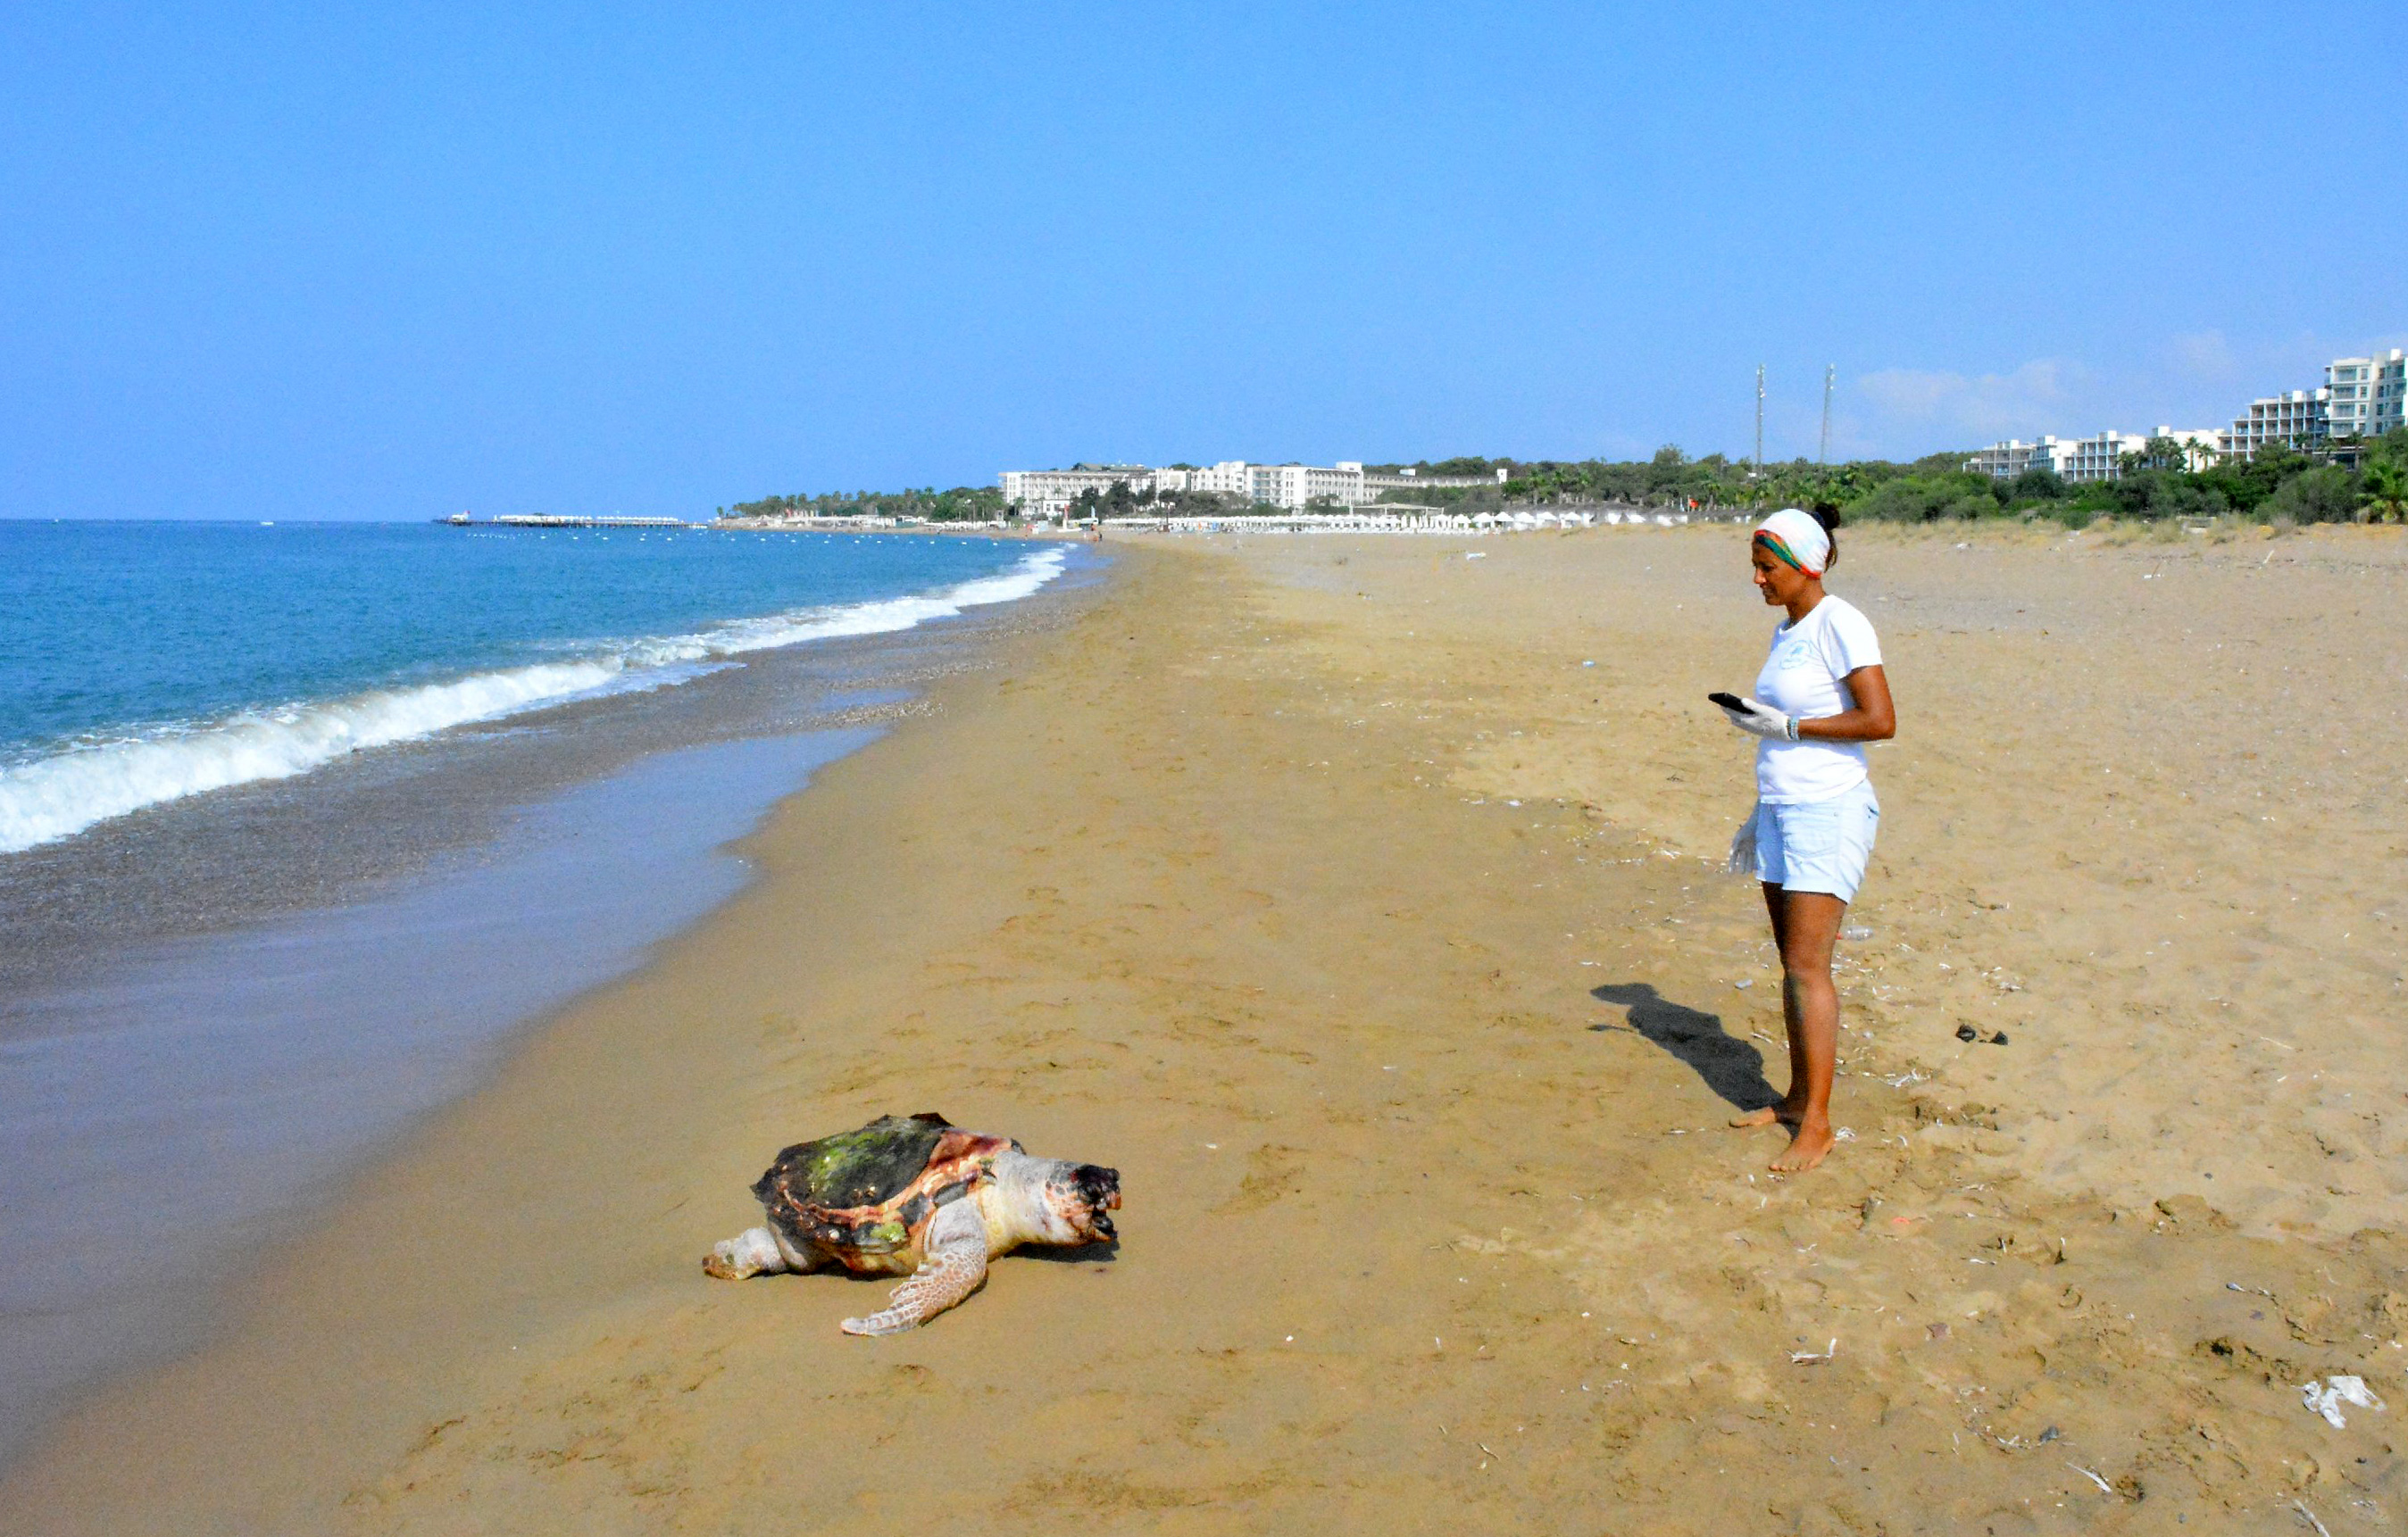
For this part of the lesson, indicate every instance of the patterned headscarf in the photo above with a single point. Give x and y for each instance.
(1796, 537)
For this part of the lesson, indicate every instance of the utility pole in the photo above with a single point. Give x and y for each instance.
(1759, 419)
(1823, 455)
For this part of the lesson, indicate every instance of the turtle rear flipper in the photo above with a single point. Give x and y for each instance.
(956, 1266)
(755, 1251)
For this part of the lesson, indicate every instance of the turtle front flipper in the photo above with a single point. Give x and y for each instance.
(956, 1266)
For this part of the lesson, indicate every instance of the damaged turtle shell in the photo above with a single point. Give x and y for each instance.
(873, 1192)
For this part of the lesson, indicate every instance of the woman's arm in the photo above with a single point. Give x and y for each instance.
(1873, 720)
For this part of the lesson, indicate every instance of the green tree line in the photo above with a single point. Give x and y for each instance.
(2155, 483)
(2365, 482)
(963, 504)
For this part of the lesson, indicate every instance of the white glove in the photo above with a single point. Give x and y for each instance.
(1743, 848)
(1758, 720)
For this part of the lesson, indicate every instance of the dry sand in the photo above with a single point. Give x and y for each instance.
(1417, 1091)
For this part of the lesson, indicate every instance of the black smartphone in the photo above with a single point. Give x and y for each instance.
(1729, 702)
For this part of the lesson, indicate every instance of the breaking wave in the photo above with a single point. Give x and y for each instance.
(62, 794)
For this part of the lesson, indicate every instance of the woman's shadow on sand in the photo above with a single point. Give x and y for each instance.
(1730, 1066)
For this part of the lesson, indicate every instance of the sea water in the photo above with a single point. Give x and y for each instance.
(251, 776)
(144, 663)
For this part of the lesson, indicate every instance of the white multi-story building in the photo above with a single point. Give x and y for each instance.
(1294, 486)
(1287, 486)
(1230, 477)
(1048, 494)
(2349, 396)
(2086, 459)
(2100, 457)
(2390, 391)
(2073, 459)
(2295, 419)
(2011, 457)
(1409, 479)
(2363, 396)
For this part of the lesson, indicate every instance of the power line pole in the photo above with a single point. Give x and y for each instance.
(1759, 419)
(1823, 455)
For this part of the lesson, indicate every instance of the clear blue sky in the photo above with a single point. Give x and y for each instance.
(397, 260)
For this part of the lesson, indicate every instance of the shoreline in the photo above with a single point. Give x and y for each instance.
(204, 988)
(281, 1320)
(1320, 889)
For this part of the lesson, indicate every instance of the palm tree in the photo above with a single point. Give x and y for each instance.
(2385, 484)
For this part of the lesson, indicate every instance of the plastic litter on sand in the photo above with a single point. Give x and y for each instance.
(2327, 1397)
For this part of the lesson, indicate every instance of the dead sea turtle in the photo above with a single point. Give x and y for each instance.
(914, 1196)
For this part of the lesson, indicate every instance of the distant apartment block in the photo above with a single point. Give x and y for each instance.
(2360, 398)
(2080, 460)
(2390, 391)
(1048, 494)
(1289, 486)
(1293, 486)
(1414, 480)
(1230, 477)
(2363, 396)
(2011, 457)
(2295, 419)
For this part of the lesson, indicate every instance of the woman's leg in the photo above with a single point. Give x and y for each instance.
(1806, 926)
(1791, 1107)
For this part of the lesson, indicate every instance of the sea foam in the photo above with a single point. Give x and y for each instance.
(60, 796)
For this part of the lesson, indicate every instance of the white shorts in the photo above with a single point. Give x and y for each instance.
(1818, 845)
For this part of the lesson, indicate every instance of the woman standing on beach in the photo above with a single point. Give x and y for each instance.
(1820, 697)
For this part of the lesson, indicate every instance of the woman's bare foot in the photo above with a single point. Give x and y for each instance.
(1767, 1115)
(1807, 1148)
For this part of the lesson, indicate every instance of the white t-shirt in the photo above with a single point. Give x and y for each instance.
(1805, 676)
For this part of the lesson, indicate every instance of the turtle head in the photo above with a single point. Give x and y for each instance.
(1078, 1201)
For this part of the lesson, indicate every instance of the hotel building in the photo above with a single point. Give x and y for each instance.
(2363, 396)
(2005, 460)
(2086, 459)
(2295, 419)
(1048, 494)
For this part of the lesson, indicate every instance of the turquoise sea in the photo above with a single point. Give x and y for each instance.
(302, 826)
(144, 663)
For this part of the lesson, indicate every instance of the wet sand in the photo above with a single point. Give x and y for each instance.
(1416, 1092)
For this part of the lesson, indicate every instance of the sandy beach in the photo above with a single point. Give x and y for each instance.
(1323, 888)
